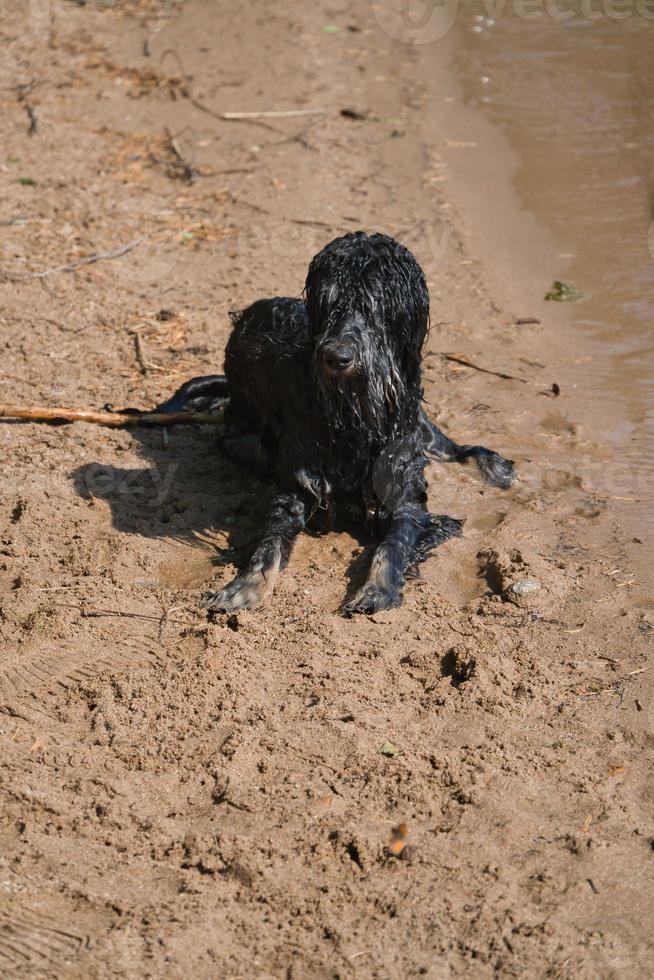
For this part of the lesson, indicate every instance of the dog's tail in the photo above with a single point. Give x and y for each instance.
(493, 468)
(199, 394)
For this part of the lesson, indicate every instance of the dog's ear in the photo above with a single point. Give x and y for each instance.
(322, 282)
(410, 317)
(313, 293)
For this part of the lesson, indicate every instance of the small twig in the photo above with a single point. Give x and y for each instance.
(182, 167)
(295, 221)
(272, 114)
(114, 420)
(98, 613)
(87, 260)
(22, 91)
(140, 353)
(219, 795)
(221, 116)
(58, 588)
(31, 115)
(248, 204)
(476, 367)
(313, 224)
(211, 172)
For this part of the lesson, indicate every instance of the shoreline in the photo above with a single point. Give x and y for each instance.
(518, 259)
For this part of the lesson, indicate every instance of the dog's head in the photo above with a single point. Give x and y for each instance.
(368, 316)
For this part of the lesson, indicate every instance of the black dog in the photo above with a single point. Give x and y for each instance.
(325, 396)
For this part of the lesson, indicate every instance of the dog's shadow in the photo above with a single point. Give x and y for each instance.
(189, 491)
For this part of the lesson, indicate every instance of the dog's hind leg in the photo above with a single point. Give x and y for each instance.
(286, 519)
(494, 469)
(248, 451)
(412, 534)
(197, 393)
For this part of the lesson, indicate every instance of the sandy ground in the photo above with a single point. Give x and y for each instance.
(183, 798)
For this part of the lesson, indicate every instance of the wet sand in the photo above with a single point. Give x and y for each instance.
(185, 798)
(574, 98)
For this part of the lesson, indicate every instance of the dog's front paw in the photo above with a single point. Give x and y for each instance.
(372, 599)
(494, 469)
(245, 592)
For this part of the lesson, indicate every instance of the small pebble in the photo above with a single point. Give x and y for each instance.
(525, 586)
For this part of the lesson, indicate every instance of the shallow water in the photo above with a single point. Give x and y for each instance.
(575, 97)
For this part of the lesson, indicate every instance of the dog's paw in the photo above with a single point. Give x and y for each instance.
(371, 599)
(493, 468)
(244, 592)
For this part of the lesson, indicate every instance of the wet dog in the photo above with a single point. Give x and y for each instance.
(324, 396)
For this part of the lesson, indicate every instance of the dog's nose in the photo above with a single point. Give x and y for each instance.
(338, 357)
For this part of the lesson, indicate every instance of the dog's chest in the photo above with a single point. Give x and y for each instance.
(349, 474)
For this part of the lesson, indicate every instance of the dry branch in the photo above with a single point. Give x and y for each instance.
(114, 420)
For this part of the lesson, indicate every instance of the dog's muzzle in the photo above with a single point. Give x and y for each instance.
(337, 358)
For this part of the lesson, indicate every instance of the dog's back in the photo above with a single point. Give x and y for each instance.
(267, 349)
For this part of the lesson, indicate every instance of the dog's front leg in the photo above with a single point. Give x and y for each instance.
(287, 517)
(412, 533)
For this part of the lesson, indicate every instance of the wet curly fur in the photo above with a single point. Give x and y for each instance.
(324, 395)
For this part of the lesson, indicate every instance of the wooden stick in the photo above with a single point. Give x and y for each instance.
(114, 420)
(272, 114)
